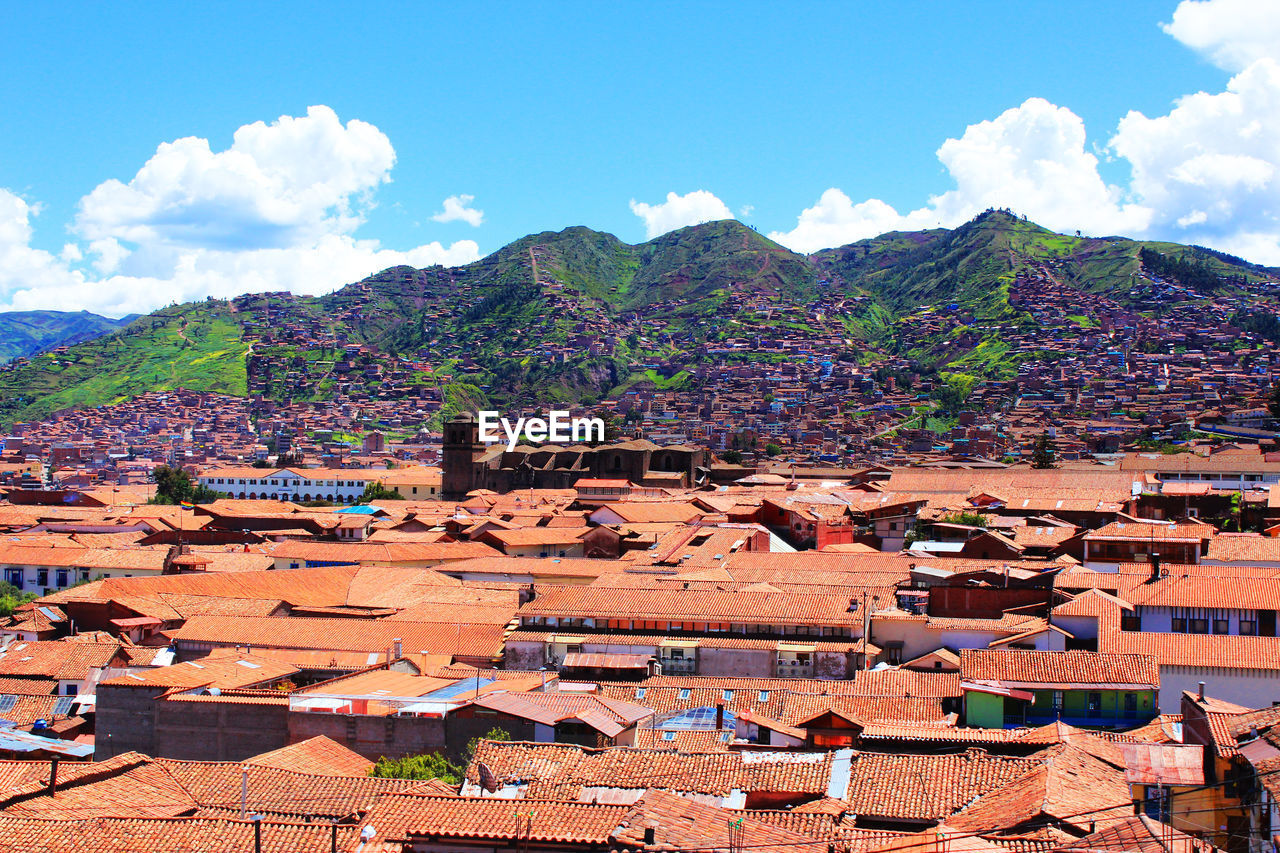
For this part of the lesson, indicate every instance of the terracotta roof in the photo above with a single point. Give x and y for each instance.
(1070, 782)
(680, 823)
(319, 756)
(927, 788)
(558, 770)
(1045, 668)
(149, 835)
(691, 605)
(1139, 834)
(222, 671)
(486, 818)
(370, 635)
(56, 659)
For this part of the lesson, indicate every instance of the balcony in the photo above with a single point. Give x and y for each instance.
(679, 666)
(792, 668)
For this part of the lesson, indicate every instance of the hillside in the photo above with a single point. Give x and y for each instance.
(24, 333)
(579, 314)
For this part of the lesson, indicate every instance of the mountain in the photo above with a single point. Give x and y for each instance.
(24, 333)
(579, 314)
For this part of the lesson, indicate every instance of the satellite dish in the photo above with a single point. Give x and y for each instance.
(368, 833)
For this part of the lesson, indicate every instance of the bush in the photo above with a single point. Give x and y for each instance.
(434, 765)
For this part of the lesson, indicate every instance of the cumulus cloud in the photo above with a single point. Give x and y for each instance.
(1233, 34)
(1211, 166)
(21, 265)
(277, 210)
(458, 208)
(679, 211)
(1030, 158)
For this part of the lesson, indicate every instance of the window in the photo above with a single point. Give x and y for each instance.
(1130, 704)
(1178, 625)
(1248, 627)
(668, 735)
(684, 693)
(763, 696)
(727, 695)
(1095, 703)
(1198, 626)
(1057, 700)
(640, 692)
(1221, 626)
(1131, 622)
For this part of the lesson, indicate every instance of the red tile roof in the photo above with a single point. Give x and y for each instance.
(1047, 668)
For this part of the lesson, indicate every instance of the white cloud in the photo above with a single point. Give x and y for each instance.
(457, 207)
(275, 211)
(21, 265)
(1233, 34)
(1031, 158)
(1211, 166)
(679, 211)
(835, 220)
(746, 210)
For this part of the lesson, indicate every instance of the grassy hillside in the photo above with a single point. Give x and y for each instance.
(195, 346)
(575, 314)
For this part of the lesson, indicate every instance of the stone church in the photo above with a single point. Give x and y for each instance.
(471, 464)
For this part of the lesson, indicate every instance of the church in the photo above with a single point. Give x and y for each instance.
(471, 464)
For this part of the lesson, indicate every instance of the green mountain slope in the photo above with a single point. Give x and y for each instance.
(24, 333)
(195, 346)
(578, 314)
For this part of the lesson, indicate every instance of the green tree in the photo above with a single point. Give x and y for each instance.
(1045, 452)
(772, 449)
(732, 457)
(174, 485)
(11, 598)
(971, 519)
(375, 491)
(434, 765)
(1273, 402)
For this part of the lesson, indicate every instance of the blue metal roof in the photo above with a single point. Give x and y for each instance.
(463, 685)
(16, 740)
(697, 718)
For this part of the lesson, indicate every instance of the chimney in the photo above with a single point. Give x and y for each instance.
(53, 775)
(650, 836)
(399, 647)
(1201, 691)
(719, 716)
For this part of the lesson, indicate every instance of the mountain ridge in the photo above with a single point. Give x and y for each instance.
(579, 314)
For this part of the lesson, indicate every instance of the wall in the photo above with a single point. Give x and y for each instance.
(983, 710)
(1252, 688)
(209, 730)
(125, 720)
(372, 737)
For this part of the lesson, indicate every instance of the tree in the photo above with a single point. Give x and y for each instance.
(772, 449)
(11, 598)
(174, 485)
(434, 765)
(1273, 402)
(732, 457)
(375, 491)
(1045, 452)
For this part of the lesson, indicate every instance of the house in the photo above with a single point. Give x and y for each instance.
(1092, 689)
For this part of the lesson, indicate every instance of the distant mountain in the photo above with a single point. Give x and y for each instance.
(579, 314)
(25, 333)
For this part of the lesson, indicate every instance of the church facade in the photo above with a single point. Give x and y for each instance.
(471, 464)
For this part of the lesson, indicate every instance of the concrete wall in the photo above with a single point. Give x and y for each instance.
(372, 737)
(1252, 688)
(744, 663)
(218, 731)
(125, 720)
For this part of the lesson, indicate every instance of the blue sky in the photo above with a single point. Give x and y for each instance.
(816, 123)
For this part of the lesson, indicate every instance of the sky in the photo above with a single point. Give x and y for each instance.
(157, 153)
